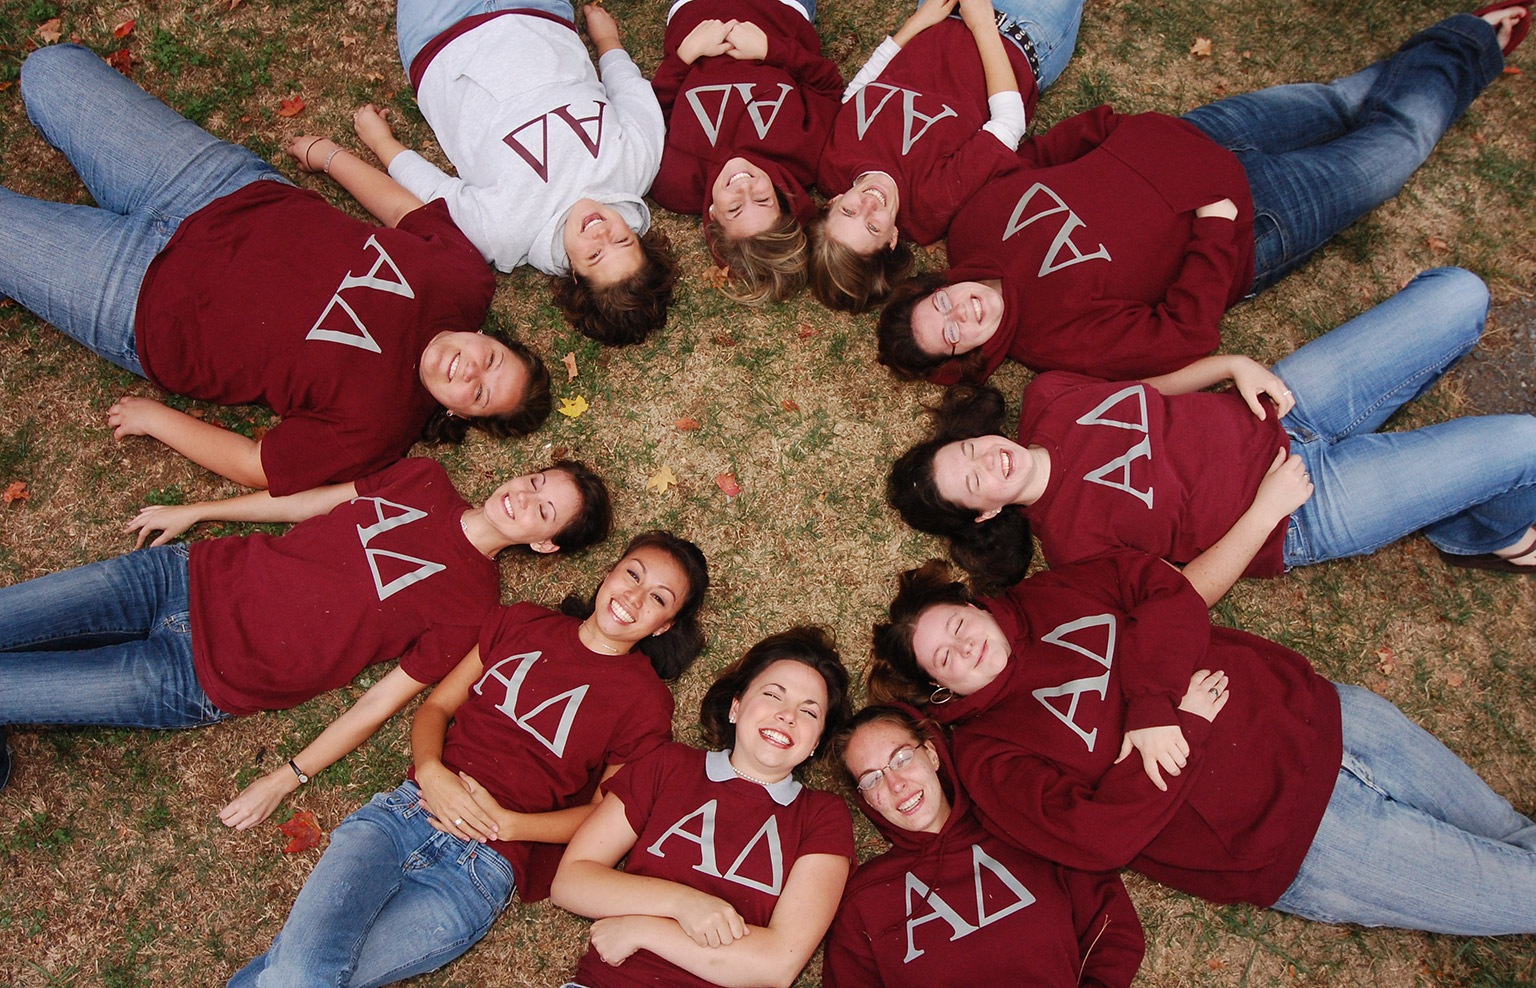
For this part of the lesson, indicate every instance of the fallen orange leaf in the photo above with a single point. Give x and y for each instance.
(50, 31)
(291, 107)
(687, 424)
(15, 491)
(1386, 660)
(1201, 48)
(1511, 70)
(124, 29)
(717, 276)
(661, 480)
(122, 60)
(806, 331)
(570, 365)
(303, 832)
(790, 405)
(727, 483)
(1437, 244)
(724, 339)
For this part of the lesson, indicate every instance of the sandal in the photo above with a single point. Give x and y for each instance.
(1521, 28)
(1484, 560)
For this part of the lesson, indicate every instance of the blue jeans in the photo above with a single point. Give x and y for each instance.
(1052, 25)
(419, 21)
(390, 898)
(1318, 157)
(148, 168)
(1413, 838)
(1470, 483)
(109, 644)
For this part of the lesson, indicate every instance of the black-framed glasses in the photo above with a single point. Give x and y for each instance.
(900, 760)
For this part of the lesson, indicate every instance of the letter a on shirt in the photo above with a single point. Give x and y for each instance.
(909, 113)
(1076, 688)
(423, 568)
(568, 702)
(1121, 466)
(359, 336)
(1019, 895)
(1063, 241)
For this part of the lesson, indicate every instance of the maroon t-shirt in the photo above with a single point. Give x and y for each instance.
(729, 838)
(1132, 468)
(549, 715)
(1117, 285)
(920, 122)
(272, 295)
(279, 619)
(777, 111)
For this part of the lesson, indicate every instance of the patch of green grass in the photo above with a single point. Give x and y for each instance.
(40, 831)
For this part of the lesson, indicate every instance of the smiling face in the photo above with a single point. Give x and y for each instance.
(960, 646)
(778, 718)
(910, 797)
(638, 598)
(742, 199)
(863, 219)
(472, 375)
(984, 474)
(956, 319)
(602, 247)
(530, 509)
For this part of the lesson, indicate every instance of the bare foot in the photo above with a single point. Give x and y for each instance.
(1503, 22)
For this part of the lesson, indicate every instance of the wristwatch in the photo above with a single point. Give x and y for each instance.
(298, 771)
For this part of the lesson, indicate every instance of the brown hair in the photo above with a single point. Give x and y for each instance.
(530, 413)
(848, 281)
(920, 728)
(629, 310)
(765, 267)
(805, 644)
(895, 675)
(896, 345)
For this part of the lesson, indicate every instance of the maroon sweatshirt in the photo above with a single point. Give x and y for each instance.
(920, 122)
(1105, 269)
(776, 112)
(963, 908)
(1096, 646)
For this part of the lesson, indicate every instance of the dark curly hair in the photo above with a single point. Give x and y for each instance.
(445, 427)
(806, 644)
(672, 651)
(896, 346)
(629, 310)
(595, 519)
(847, 281)
(894, 675)
(996, 552)
(766, 267)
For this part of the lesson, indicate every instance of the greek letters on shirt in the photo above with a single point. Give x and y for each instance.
(1111, 413)
(391, 560)
(531, 139)
(567, 703)
(910, 116)
(697, 829)
(1027, 211)
(1094, 638)
(701, 98)
(357, 334)
(1012, 892)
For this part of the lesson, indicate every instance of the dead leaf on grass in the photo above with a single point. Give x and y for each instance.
(805, 331)
(1386, 660)
(790, 405)
(573, 408)
(291, 107)
(569, 360)
(303, 832)
(688, 424)
(727, 483)
(1455, 679)
(50, 31)
(661, 480)
(724, 339)
(124, 29)
(1201, 48)
(717, 276)
(123, 61)
(15, 491)
(1437, 244)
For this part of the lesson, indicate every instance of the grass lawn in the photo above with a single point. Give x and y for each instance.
(114, 869)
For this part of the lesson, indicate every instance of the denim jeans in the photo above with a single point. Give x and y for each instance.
(1413, 838)
(1470, 483)
(1052, 25)
(1318, 157)
(109, 644)
(390, 898)
(148, 168)
(419, 21)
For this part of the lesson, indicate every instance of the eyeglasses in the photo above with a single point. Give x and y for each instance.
(900, 760)
(951, 328)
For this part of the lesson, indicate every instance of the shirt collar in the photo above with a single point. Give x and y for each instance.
(717, 768)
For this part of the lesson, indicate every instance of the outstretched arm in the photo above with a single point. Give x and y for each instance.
(382, 701)
(170, 520)
(385, 198)
(228, 454)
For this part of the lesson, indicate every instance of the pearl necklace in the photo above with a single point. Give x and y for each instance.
(742, 775)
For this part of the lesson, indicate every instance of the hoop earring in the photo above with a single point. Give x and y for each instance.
(941, 695)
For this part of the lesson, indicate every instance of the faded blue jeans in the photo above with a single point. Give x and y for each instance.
(109, 643)
(1469, 483)
(1320, 156)
(419, 21)
(390, 898)
(148, 168)
(1413, 838)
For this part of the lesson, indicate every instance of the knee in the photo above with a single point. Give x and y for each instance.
(1461, 298)
(46, 69)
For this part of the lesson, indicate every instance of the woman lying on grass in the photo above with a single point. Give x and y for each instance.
(205, 271)
(1285, 469)
(937, 111)
(1207, 209)
(551, 159)
(732, 868)
(1258, 780)
(749, 99)
(171, 636)
(950, 904)
(508, 753)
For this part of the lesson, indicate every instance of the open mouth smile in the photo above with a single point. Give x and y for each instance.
(776, 738)
(590, 220)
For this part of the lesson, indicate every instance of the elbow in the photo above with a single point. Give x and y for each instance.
(560, 889)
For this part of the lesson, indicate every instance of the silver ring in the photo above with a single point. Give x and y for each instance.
(1215, 691)
(1287, 392)
(458, 821)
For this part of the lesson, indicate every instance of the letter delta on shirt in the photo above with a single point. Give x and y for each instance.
(998, 895)
(710, 103)
(872, 100)
(1093, 638)
(532, 139)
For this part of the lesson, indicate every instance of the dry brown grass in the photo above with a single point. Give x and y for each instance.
(114, 869)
